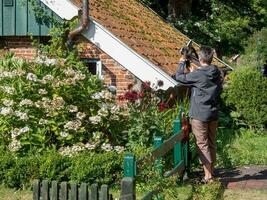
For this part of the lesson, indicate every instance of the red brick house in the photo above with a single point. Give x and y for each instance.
(124, 43)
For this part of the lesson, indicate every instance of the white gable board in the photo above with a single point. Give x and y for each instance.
(139, 66)
(63, 8)
(128, 58)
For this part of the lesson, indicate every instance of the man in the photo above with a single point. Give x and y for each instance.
(206, 85)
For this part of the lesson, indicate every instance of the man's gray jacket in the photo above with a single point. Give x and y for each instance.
(206, 85)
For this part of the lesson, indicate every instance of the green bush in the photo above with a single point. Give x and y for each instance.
(96, 168)
(19, 171)
(246, 92)
(54, 102)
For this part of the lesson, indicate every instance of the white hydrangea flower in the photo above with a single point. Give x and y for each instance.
(8, 90)
(106, 147)
(114, 109)
(95, 119)
(42, 121)
(69, 81)
(72, 108)
(97, 95)
(90, 146)
(115, 117)
(31, 77)
(14, 145)
(58, 102)
(64, 134)
(26, 102)
(24, 129)
(15, 133)
(119, 149)
(22, 115)
(79, 76)
(8, 102)
(6, 111)
(19, 72)
(80, 115)
(7, 74)
(42, 91)
(107, 95)
(48, 77)
(69, 72)
(71, 150)
(103, 112)
(73, 125)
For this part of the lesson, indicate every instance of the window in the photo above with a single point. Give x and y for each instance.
(8, 2)
(94, 66)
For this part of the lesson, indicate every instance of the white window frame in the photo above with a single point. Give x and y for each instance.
(98, 62)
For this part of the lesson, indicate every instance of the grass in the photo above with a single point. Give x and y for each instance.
(241, 147)
(11, 194)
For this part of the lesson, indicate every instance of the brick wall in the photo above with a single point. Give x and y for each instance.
(113, 73)
(21, 46)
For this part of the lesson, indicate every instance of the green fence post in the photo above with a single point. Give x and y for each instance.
(157, 142)
(178, 145)
(129, 166)
(128, 182)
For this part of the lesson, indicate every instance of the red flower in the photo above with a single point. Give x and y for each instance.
(141, 94)
(162, 106)
(146, 85)
(131, 96)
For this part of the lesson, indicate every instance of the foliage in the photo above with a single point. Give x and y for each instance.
(240, 147)
(221, 24)
(149, 115)
(19, 172)
(54, 102)
(96, 168)
(246, 92)
(209, 191)
(249, 147)
(255, 54)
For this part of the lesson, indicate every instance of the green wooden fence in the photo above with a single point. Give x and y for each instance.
(180, 157)
(46, 190)
(63, 191)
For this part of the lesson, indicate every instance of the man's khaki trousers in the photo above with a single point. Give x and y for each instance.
(205, 133)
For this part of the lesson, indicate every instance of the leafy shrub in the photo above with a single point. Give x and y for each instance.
(246, 92)
(54, 102)
(20, 171)
(149, 115)
(96, 167)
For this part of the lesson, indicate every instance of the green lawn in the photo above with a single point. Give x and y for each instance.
(11, 194)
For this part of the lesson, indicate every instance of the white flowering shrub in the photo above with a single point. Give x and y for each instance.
(55, 102)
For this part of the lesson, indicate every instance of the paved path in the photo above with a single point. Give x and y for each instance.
(250, 177)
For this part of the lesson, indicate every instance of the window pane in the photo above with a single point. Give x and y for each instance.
(92, 67)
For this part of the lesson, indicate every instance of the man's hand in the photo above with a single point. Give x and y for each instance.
(183, 58)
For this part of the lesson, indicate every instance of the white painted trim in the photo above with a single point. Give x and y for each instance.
(63, 8)
(99, 69)
(141, 67)
(98, 66)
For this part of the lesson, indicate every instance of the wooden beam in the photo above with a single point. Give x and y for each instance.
(160, 151)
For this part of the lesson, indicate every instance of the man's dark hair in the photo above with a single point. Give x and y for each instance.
(206, 54)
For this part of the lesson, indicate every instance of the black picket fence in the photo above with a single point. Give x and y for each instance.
(47, 190)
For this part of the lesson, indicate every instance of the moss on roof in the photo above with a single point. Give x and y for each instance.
(142, 30)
